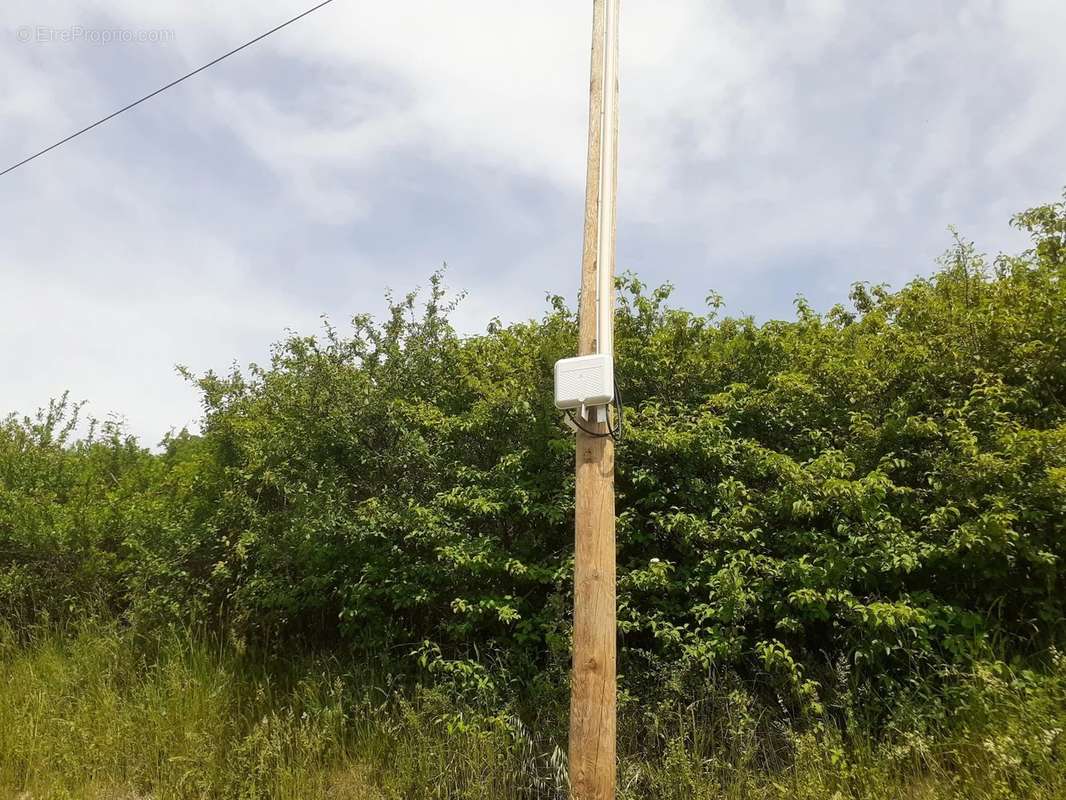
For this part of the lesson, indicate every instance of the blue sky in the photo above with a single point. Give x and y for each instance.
(768, 149)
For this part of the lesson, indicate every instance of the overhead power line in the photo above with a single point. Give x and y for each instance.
(209, 64)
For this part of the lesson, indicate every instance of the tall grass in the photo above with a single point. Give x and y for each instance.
(99, 713)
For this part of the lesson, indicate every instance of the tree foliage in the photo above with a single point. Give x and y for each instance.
(882, 485)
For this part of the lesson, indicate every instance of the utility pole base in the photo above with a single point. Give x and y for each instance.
(592, 705)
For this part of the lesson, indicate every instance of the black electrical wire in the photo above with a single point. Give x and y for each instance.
(615, 431)
(583, 429)
(163, 89)
(620, 411)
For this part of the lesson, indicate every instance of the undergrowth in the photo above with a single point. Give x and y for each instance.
(101, 712)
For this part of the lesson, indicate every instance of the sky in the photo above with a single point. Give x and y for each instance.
(768, 149)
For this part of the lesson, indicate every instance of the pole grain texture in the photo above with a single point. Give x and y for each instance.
(593, 680)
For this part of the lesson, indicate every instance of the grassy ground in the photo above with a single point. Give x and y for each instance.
(97, 714)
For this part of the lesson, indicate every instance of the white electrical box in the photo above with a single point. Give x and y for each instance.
(584, 381)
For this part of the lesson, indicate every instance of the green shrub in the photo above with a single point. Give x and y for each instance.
(882, 486)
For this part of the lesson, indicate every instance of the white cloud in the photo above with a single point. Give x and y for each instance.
(768, 148)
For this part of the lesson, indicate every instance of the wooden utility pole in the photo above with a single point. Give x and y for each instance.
(593, 681)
